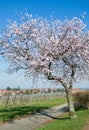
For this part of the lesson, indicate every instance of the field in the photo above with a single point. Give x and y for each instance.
(12, 107)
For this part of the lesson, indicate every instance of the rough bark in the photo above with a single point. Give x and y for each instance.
(72, 112)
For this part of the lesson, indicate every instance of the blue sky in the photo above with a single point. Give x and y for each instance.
(44, 8)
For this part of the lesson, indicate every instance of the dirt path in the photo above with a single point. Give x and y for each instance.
(86, 127)
(33, 121)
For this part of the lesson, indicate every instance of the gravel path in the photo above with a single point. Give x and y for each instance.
(33, 121)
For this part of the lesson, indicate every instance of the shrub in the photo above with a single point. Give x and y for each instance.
(82, 98)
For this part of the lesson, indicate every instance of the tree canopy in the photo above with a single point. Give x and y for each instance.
(54, 48)
(50, 47)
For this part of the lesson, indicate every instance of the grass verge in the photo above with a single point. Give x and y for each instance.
(64, 123)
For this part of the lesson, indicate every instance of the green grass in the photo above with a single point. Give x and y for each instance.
(64, 123)
(25, 109)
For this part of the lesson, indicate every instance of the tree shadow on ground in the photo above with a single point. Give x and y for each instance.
(62, 117)
(62, 112)
(10, 114)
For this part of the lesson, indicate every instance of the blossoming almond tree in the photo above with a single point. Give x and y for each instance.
(57, 49)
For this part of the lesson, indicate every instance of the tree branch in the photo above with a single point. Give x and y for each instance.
(51, 77)
(72, 77)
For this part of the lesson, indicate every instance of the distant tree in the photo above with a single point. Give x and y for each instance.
(49, 90)
(14, 89)
(8, 88)
(27, 91)
(59, 50)
(18, 88)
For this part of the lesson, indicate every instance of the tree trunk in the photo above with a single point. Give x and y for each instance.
(72, 113)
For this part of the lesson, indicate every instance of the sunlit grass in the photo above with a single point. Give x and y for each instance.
(64, 123)
(26, 108)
